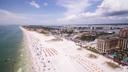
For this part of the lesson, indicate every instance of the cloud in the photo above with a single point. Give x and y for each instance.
(73, 7)
(106, 11)
(76, 9)
(9, 17)
(114, 5)
(117, 13)
(34, 4)
(45, 4)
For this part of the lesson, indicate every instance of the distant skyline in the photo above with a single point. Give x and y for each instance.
(59, 12)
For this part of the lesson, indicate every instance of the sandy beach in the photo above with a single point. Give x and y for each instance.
(63, 55)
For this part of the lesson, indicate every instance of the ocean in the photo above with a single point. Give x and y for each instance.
(10, 44)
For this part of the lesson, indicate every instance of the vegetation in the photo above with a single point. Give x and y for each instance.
(104, 33)
(93, 50)
(93, 37)
(87, 38)
(120, 56)
(112, 65)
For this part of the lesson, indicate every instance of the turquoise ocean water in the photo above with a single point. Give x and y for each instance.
(10, 43)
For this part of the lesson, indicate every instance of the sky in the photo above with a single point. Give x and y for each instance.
(45, 12)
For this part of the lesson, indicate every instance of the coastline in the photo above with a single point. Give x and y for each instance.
(62, 54)
(26, 56)
(24, 59)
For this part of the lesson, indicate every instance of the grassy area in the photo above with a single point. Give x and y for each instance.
(93, 50)
(112, 65)
(87, 38)
(92, 38)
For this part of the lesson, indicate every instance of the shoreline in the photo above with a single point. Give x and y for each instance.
(24, 59)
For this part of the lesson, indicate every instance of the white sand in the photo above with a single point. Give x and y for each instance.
(63, 56)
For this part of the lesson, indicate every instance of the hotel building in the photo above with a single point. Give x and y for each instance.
(105, 44)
